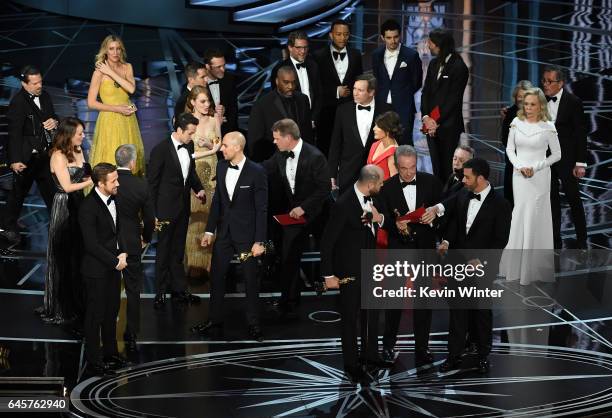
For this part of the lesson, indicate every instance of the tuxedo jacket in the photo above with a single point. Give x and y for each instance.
(134, 205)
(312, 185)
(179, 107)
(314, 81)
(329, 77)
(572, 131)
(244, 218)
(101, 237)
(229, 99)
(510, 115)
(407, 79)
(452, 186)
(490, 228)
(265, 112)
(344, 237)
(428, 192)
(347, 154)
(25, 125)
(171, 196)
(446, 92)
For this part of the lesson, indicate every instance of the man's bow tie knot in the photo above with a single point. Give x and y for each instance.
(367, 199)
(553, 98)
(408, 183)
(474, 196)
(234, 167)
(300, 65)
(359, 107)
(110, 200)
(178, 147)
(340, 55)
(213, 82)
(288, 154)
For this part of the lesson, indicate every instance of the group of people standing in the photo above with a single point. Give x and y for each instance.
(326, 129)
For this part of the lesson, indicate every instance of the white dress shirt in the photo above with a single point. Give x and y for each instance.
(553, 107)
(473, 208)
(215, 92)
(341, 65)
(112, 208)
(364, 121)
(365, 206)
(183, 156)
(231, 178)
(291, 166)
(410, 192)
(302, 74)
(390, 59)
(37, 101)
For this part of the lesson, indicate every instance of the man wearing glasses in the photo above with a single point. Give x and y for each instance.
(568, 116)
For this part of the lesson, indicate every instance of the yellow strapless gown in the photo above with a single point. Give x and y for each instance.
(114, 129)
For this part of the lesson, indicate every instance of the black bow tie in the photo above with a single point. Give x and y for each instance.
(474, 196)
(109, 200)
(408, 183)
(367, 199)
(288, 154)
(213, 82)
(368, 108)
(549, 98)
(300, 65)
(341, 55)
(178, 147)
(234, 167)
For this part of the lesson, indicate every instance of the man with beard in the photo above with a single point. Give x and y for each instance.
(223, 90)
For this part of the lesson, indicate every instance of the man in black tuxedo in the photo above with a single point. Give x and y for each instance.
(399, 72)
(353, 135)
(406, 191)
(302, 169)
(195, 74)
(238, 219)
(172, 177)
(137, 219)
(454, 183)
(308, 79)
(31, 124)
(568, 115)
(445, 82)
(339, 66)
(223, 89)
(347, 233)
(103, 261)
(282, 103)
(479, 219)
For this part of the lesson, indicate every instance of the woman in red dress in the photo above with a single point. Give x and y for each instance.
(387, 129)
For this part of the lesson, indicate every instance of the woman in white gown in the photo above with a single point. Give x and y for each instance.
(529, 257)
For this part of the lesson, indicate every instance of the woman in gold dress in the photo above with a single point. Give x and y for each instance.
(206, 144)
(113, 80)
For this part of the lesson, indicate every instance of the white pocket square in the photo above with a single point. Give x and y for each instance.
(403, 65)
(444, 76)
(244, 187)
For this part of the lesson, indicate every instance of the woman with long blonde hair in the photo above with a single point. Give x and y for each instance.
(113, 81)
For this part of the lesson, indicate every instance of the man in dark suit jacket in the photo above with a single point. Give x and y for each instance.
(302, 169)
(137, 218)
(172, 177)
(445, 82)
(339, 66)
(454, 183)
(352, 137)
(479, 219)
(223, 89)
(195, 74)
(238, 218)
(31, 123)
(280, 103)
(405, 192)
(399, 72)
(102, 262)
(567, 113)
(345, 235)
(308, 79)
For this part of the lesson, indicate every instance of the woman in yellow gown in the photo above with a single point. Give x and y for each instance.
(113, 80)
(206, 144)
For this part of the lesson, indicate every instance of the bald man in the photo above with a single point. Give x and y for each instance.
(238, 222)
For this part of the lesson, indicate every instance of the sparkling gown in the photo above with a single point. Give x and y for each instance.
(114, 129)
(528, 256)
(63, 300)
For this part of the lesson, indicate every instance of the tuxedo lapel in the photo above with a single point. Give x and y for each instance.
(242, 176)
(104, 208)
(221, 174)
(421, 191)
(483, 208)
(174, 156)
(561, 110)
(282, 168)
(353, 124)
(279, 105)
(330, 62)
(402, 205)
(301, 166)
(398, 61)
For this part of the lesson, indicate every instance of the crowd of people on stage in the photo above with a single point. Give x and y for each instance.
(329, 150)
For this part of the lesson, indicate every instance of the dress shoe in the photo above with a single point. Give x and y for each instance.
(160, 301)
(389, 355)
(11, 236)
(450, 364)
(98, 369)
(423, 357)
(130, 341)
(186, 297)
(284, 310)
(115, 362)
(255, 333)
(376, 363)
(208, 329)
(483, 365)
(470, 349)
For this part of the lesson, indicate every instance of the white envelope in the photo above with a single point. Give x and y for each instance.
(403, 65)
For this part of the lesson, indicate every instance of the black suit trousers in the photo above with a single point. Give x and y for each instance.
(38, 170)
(354, 318)
(294, 242)
(223, 252)
(325, 127)
(169, 270)
(103, 296)
(572, 194)
(462, 320)
(441, 150)
(133, 277)
(421, 322)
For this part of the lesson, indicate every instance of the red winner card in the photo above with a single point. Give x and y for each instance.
(286, 220)
(413, 216)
